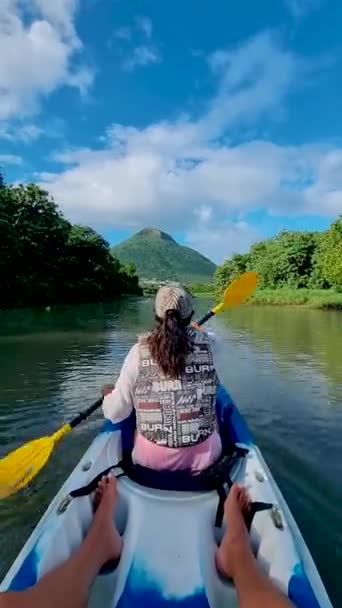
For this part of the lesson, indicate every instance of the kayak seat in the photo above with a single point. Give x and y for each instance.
(213, 478)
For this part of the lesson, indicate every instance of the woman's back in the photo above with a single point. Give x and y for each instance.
(177, 412)
(170, 379)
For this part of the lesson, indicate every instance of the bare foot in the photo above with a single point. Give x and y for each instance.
(106, 497)
(236, 538)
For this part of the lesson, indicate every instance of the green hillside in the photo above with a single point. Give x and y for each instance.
(156, 255)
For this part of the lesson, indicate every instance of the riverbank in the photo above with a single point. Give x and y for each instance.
(324, 299)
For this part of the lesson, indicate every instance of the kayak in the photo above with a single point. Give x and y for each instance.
(170, 536)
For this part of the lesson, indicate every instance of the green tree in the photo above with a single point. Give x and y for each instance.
(46, 260)
(128, 277)
(229, 270)
(41, 235)
(329, 257)
(286, 260)
(9, 257)
(291, 259)
(88, 265)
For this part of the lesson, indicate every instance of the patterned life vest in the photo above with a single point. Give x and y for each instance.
(177, 412)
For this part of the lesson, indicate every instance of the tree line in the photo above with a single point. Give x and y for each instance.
(44, 259)
(291, 259)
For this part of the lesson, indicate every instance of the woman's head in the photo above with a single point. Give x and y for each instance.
(170, 342)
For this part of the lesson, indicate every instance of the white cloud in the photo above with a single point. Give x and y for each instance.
(37, 49)
(325, 191)
(123, 33)
(254, 79)
(58, 12)
(145, 25)
(219, 240)
(10, 159)
(141, 56)
(137, 55)
(187, 174)
(26, 133)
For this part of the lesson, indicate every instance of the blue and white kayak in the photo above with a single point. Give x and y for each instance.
(170, 537)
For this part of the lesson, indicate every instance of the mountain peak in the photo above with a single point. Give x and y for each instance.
(154, 233)
(158, 257)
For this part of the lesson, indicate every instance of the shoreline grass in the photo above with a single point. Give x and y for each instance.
(324, 299)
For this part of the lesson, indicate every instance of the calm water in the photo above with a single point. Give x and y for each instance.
(282, 366)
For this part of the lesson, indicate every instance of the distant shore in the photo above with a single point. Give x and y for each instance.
(324, 299)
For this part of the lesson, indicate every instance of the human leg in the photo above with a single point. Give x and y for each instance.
(235, 559)
(68, 585)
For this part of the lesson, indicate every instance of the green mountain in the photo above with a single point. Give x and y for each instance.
(156, 255)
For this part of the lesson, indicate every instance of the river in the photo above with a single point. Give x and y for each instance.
(283, 367)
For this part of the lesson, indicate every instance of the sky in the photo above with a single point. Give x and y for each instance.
(217, 121)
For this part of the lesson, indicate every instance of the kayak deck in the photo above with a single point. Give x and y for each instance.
(169, 537)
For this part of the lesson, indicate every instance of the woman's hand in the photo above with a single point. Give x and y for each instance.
(195, 325)
(108, 388)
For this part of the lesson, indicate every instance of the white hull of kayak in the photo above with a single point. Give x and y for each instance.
(169, 538)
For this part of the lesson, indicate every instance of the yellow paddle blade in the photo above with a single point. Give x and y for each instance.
(238, 291)
(18, 468)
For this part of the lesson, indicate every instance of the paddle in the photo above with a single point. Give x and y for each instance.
(237, 292)
(18, 468)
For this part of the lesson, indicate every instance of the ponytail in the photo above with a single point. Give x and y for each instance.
(170, 343)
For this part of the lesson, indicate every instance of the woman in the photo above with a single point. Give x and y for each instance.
(170, 379)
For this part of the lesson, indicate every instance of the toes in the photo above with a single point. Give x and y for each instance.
(109, 484)
(99, 491)
(245, 500)
(234, 491)
(240, 495)
(106, 490)
(110, 481)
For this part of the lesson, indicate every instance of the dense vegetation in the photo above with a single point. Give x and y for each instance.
(46, 260)
(292, 261)
(158, 257)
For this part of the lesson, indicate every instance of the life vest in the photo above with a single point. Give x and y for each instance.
(177, 412)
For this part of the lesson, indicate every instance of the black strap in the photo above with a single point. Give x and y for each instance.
(211, 479)
(255, 507)
(220, 507)
(215, 479)
(92, 485)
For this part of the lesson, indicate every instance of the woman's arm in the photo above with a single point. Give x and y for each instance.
(118, 401)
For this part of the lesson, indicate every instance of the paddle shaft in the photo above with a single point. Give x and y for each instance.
(83, 415)
(206, 317)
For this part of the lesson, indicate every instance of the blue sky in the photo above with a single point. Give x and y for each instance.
(218, 121)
